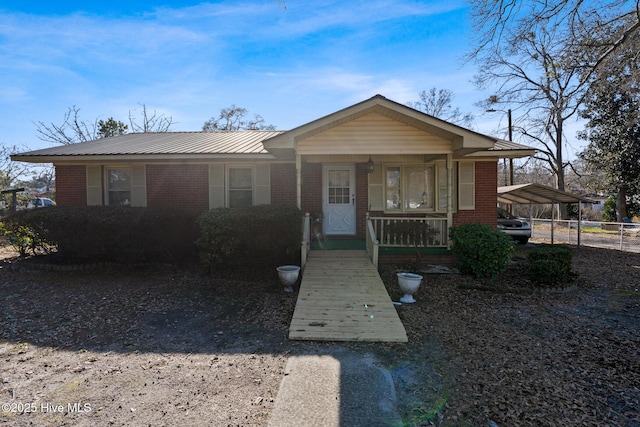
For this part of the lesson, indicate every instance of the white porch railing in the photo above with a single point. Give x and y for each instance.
(372, 242)
(306, 240)
(425, 232)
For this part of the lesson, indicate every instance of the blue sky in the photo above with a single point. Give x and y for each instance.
(291, 61)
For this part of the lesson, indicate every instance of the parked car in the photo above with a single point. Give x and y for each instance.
(518, 229)
(40, 202)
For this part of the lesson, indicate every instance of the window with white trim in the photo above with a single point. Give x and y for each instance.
(240, 190)
(119, 186)
(416, 187)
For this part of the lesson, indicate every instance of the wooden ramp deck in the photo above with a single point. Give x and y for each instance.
(342, 298)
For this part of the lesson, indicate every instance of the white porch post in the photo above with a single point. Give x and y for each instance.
(299, 180)
(450, 194)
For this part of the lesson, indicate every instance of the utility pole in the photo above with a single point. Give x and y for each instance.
(510, 130)
(510, 140)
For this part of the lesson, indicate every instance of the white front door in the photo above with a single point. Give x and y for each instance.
(339, 199)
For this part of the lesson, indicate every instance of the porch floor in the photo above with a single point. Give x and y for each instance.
(342, 298)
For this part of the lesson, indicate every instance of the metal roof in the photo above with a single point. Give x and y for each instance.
(506, 150)
(264, 145)
(162, 143)
(537, 193)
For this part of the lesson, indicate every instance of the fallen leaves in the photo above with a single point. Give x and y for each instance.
(178, 346)
(519, 357)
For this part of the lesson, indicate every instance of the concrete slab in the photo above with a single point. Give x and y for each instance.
(333, 390)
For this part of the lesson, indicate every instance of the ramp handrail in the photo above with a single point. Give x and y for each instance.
(372, 242)
(306, 239)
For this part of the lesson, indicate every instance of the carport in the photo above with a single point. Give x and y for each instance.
(538, 193)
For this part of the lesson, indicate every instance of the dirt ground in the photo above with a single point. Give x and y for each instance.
(165, 346)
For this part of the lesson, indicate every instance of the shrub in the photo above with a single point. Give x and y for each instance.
(257, 235)
(25, 233)
(111, 234)
(550, 264)
(481, 250)
(609, 211)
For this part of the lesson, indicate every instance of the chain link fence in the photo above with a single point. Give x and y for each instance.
(610, 235)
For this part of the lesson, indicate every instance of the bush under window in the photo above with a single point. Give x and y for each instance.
(481, 251)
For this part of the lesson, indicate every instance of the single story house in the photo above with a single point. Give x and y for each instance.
(375, 159)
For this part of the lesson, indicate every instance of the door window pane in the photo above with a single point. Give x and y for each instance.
(339, 187)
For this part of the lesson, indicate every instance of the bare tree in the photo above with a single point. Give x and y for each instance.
(151, 122)
(615, 22)
(73, 129)
(11, 171)
(541, 80)
(541, 56)
(437, 103)
(233, 119)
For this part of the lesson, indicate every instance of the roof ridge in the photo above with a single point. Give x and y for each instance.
(202, 131)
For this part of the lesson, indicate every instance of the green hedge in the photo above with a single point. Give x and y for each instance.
(106, 234)
(550, 265)
(26, 232)
(481, 251)
(259, 235)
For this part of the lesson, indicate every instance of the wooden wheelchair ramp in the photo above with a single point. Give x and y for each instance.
(342, 298)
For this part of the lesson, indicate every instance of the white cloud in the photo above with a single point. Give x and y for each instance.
(290, 65)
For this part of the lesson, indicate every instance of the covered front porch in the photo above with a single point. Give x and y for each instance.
(384, 158)
(392, 235)
(387, 177)
(385, 174)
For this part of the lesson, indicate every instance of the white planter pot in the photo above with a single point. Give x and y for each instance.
(288, 275)
(409, 284)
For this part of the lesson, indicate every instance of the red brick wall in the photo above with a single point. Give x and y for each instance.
(486, 175)
(362, 199)
(447, 260)
(312, 188)
(283, 184)
(178, 186)
(187, 185)
(71, 185)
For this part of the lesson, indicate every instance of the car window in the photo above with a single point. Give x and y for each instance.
(503, 214)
